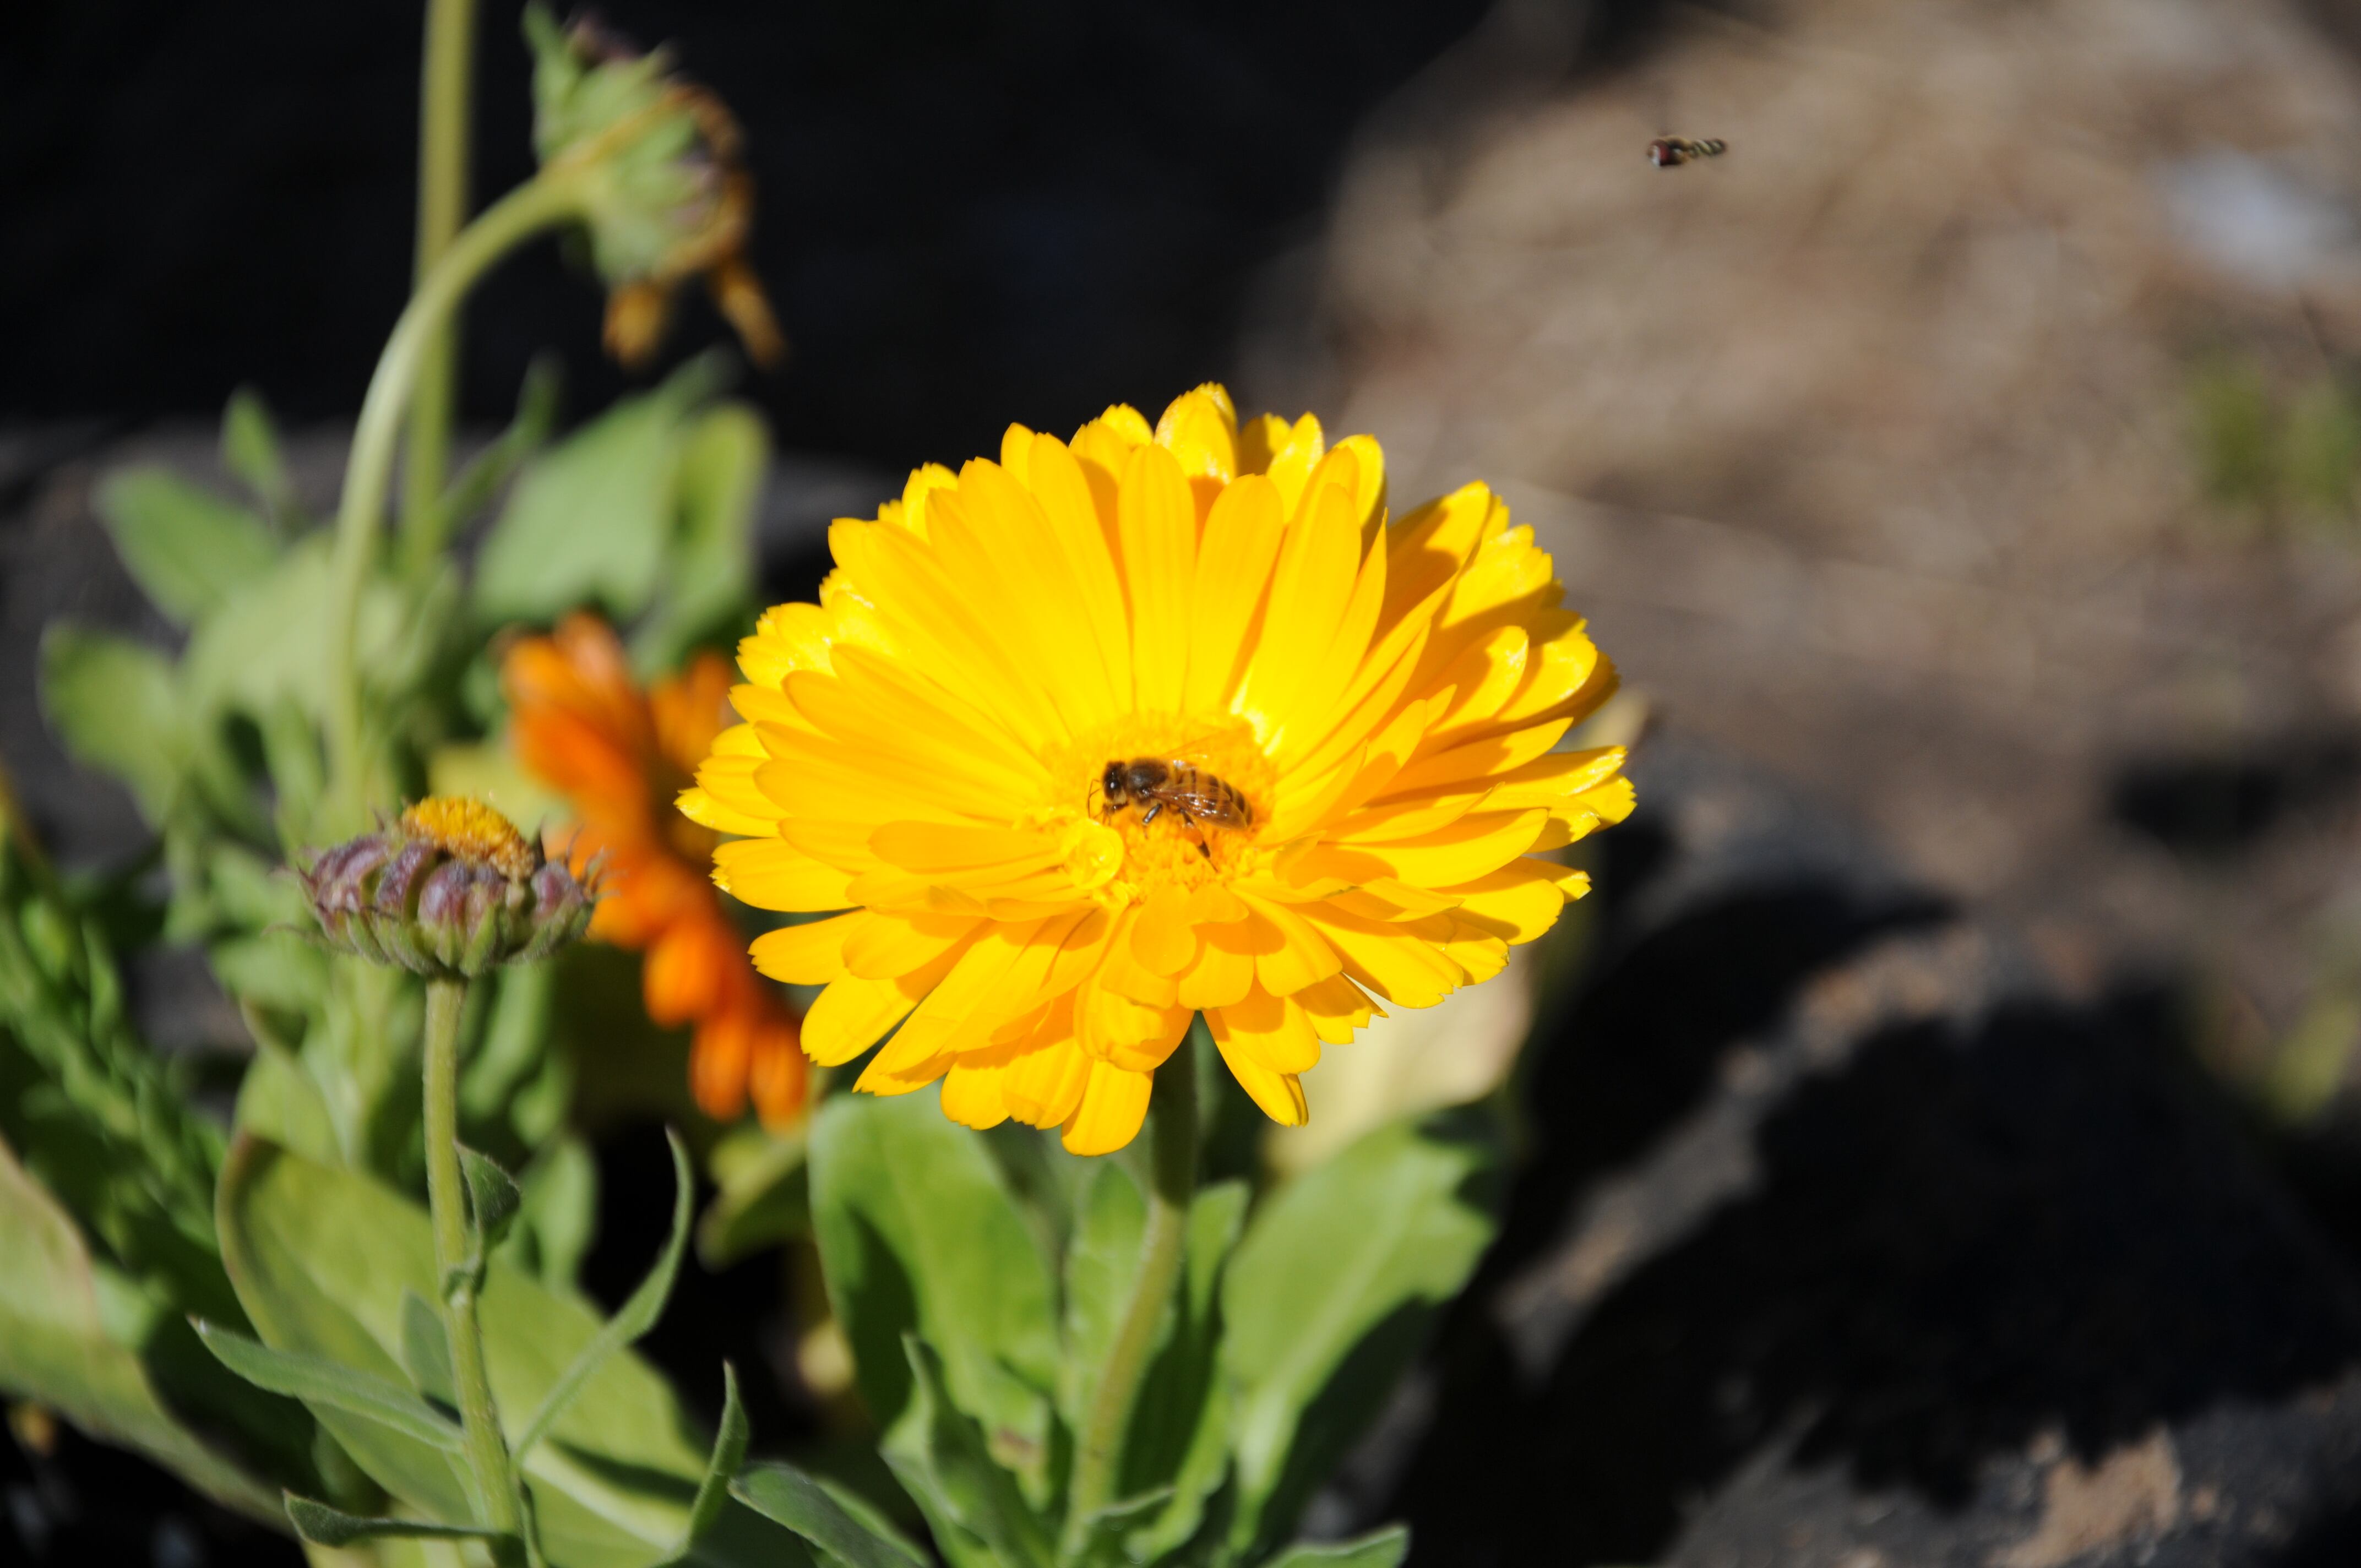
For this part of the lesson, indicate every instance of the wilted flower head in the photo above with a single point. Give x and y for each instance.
(450, 890)
(1167, 719)
(668, 197)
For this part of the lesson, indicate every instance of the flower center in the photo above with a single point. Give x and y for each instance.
(1184, 794)
(470, 830)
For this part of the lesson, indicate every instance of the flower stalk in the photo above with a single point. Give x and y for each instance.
(1172, 1186)
(550, 198)
(443, 148)
(461, 1275)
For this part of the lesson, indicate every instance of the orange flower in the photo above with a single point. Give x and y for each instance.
(581, 725)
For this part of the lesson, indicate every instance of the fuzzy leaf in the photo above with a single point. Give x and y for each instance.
(249, 449)
(1382, 1549)
(918, 1234)
(323, 1526)
(729, 1454)
(187, 549)
(940, 1456)
(318, 1381)
(322, 1256)
(426, 1351)
(492, 1198)
(710, 567)
(116, 706)
(1332, 1293)
(805, 1505)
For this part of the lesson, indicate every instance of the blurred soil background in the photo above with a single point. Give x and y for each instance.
(1974, 447)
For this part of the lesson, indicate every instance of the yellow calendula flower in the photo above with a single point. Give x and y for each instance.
(1155, 722)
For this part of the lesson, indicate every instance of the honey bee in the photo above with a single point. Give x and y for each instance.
(1196, 795)
(1671, 153)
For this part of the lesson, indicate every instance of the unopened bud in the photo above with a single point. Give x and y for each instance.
(667, 192)
(450, 888)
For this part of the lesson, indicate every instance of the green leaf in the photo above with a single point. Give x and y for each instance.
(473, 487)
(638, 1313)
(764, 1197)
(492, 1198)
(262, 647)
(941, 1458)
(278, 1099)
(729, 1454)
(323, 1526)
(316, 1381)
(589, 520)
(321, 1257)
(187, 549)
(709, 568)
(249, 449)
(116, 706)
(1332, 1293)
(426, 1351)
(918, 1232)
(805, 1505)
(1382, 1549)
(55, 1349)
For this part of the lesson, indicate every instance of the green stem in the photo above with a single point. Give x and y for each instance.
(479, 1420)
(1172, 1152)
(443, 113)
(540, 202)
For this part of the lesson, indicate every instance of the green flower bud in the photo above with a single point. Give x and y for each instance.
(452, 889)
(658, 159)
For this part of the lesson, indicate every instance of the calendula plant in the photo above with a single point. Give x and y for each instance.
(1105, 784)
(1098, 765)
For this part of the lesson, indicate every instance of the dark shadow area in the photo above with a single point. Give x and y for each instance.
(2217, 806)
(92, 1507)
(1956, 1241)
(1640, 1048)
(733, 1316)
(969, 213)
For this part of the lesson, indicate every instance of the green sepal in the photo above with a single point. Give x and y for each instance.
(1380, 1548)
(318, 1381)
(729, 1454)
(323, 1526)
(940, 1456)
(637, 1315)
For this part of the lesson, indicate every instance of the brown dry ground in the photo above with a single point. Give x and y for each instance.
(1868, 446)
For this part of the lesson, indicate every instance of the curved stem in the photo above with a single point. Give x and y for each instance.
(536, 206)
(442, 115)
(479, 1420)
(1098, 1448)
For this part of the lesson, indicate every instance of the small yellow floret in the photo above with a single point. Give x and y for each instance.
(472, 831)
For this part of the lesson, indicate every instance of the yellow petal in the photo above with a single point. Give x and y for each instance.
(1479, 842)
(1516, 903)
(1273, 1031)
(771, 873)
(1114, 1104)
(1279, 1095)
(971, 1095)
(891, 945)
(1336, 1007)
(1298, 958)
(1313, 580)
(1156, 522)
(1219, 977)
(851, 1017)
(1201, 430)
(1399, 965)
(1243, 534)
(1042, 1087)
(703, 809)
(1163, 937)
(808, 954)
